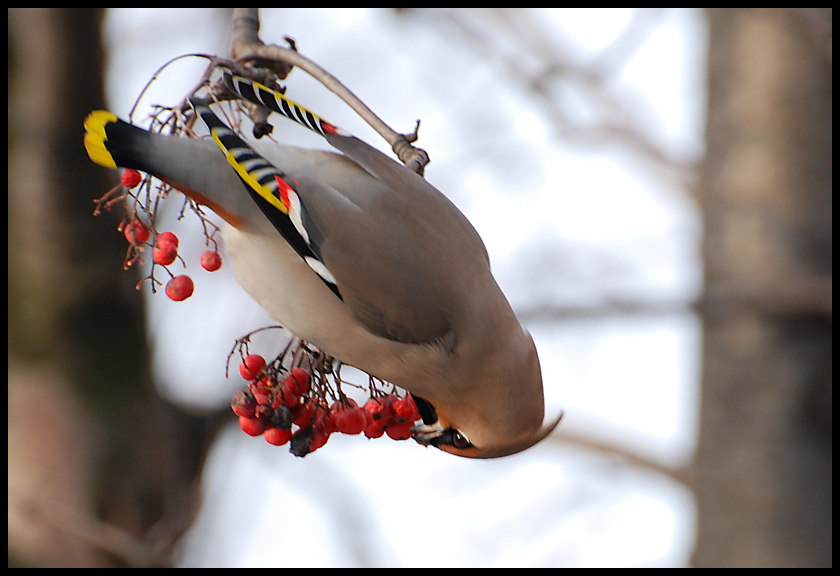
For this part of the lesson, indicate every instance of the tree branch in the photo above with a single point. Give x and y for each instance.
(247, 46)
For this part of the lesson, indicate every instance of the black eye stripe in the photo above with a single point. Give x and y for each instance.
(452, 437)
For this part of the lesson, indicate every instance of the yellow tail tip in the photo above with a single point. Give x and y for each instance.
(95, 137)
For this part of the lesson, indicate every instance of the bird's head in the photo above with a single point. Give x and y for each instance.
(498, 412)
(455, 441)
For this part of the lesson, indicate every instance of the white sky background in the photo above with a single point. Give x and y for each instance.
(565, 225)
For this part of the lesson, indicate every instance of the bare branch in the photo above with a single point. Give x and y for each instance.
(246, 46)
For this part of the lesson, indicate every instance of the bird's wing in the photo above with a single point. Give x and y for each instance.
(403, 256)
(399, 254)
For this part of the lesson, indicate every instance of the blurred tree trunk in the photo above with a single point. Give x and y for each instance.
(763, 469)
(96, 458)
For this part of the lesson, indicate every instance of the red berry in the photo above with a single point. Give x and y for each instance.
(321, 433)
(388, 406)
(164, 252)
(324, 424)
(297, 382)
(375, 409)
(290, 384)
(410, 400)
(136, 232)
(399, 431)
(340, 405)
(318, 439)
(167, 237)
(329, 424)
(289, 399)
(130, 178)
(369, 421)
(278, 437)
(405, 410)
(211, 261)
(286, 398)
(351, 421)
(374, 431)
(251, 426)
(251, 366)
(264, 413)
(244, 404)
(261, 396)
(304, 413)
(180, 288)
(263, 383)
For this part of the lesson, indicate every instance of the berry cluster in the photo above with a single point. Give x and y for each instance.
(165, 247)
(297, 398)
(279, 398)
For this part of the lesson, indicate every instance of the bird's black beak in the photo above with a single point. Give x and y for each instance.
(431, 429)
(427, 411)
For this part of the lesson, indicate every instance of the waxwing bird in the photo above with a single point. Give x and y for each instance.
(362, 257)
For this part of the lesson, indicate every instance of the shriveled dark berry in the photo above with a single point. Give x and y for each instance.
(282, 418)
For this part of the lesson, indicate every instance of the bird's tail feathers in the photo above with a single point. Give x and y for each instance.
(112, 143)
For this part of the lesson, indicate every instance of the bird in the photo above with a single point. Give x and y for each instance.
(362, 257)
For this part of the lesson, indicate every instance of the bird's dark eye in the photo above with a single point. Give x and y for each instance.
(460, 441)
(449, 437)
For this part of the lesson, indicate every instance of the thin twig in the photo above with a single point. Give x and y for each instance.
(247, 46)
